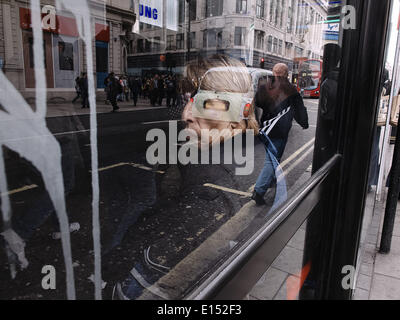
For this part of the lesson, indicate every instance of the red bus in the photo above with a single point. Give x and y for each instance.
(309, 80)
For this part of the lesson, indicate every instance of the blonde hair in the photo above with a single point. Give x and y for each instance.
(229, 80)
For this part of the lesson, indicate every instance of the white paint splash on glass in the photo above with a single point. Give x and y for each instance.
(80, 9)
(26, 133)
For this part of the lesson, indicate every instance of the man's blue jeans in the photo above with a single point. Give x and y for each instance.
(267, 175)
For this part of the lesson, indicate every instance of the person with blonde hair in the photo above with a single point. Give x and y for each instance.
(222, 97)
(221, 101)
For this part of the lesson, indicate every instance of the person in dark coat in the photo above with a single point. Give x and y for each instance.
(279, 100)
(84, 91)
(77, 89)
(180, 189)
(171, 91)
(135, 86)
(114, 89)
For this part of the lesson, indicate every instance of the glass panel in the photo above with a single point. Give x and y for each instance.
(100, 184)
(380, 166)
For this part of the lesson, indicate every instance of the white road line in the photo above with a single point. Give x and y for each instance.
(298, 161)
(163, 121)
(249, 194)
(288, 160)
(139, 166)
(135, 165)
(294, 155)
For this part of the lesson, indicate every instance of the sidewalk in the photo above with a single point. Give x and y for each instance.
(385, 279)
(378, 276)
(69, 108)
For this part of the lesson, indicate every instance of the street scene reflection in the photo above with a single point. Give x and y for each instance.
(144, 142)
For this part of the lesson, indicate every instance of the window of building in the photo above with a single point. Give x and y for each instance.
(260, 9)
(276, 13)
(298, 16)
(289, 22)
(272, 10)
(214, 8)
(239, 36)
(212, 38)
(181, 11)
(193, 10)
(179, 41)
(280, 51)
(282, 10)
(275, 46)
(156, 44)
(269, 48)
(241, 6)
(259, 39)
(193, 40)
(140, 46)
(170, 42)
(299, 52)
(66, 55)
(147, 45)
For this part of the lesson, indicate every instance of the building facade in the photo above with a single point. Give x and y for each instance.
(112, 22)
(254, 31)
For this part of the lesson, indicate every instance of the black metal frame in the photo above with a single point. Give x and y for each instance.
(334, 199)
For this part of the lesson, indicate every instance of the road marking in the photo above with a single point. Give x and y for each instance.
(249, 194)
(300, 150)
(139, 166)
(298, 161)
(135, 165)
(214, 186)
(25, 188)
(288, 160)
(163, 121)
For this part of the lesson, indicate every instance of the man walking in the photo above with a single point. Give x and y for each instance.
(84, 90)
(281, 104)
(77, 89)
(115, 89)
(135, 86)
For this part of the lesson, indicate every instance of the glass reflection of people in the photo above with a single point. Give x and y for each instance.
(324, 145)
(181, 191)
(84, 90)
(280, 101)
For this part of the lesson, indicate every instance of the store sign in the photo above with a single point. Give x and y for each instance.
(49, 18)
(51, 22)
(150, 12)
(331, 32)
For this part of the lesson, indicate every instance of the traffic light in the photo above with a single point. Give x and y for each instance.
(262, 63)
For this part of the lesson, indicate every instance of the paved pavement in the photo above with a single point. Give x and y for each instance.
(378, 275)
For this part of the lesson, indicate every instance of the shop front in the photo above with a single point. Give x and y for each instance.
(63, 50)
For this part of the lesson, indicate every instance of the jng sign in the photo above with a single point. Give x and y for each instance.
(150, 12)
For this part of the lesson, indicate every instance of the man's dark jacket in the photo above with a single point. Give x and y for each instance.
(297, 111)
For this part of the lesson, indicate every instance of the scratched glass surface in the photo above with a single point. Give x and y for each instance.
(104, 195)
